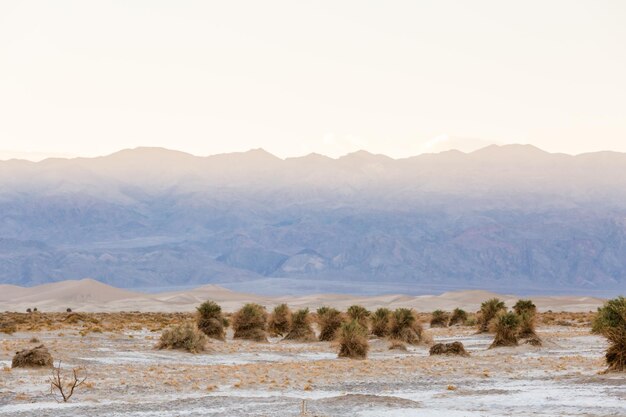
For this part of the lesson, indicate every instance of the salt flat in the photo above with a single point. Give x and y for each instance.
(128, 377)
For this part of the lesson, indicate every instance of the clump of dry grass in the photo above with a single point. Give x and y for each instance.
(381, 321)
(32, 358)
(360, 314)
(439, 318)
(454, 348)
(405, 327)
(353, 341)
(210, 320)
(184, 336)
(280, 320)
(329, 321)
(301, 327)
(459, 316)
(524, 306)
(250, 323)
(488, 311)
(611, 323)
(505, 325)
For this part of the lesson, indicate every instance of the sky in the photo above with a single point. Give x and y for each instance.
(293, 77)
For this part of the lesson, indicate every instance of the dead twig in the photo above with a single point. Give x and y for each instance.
(65, 389)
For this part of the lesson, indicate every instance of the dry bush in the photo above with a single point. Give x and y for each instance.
(280, 320)
(36, 357)
(505, 326)
(488, 311)
(524, 306)
(527, 328)
(184, 336)
(360, 314)
(439, 318)
(610, 322)
(329, 321)
(459, 316)
(405, 327)
(381, 321)
(63, 387)
(353, 341)
(301, 327)
(210, 320)
(250, 323)
(454, 348)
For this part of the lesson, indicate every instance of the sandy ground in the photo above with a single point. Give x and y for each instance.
(93, 296)
(127, 377)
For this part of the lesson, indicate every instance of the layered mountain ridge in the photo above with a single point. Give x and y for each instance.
(503, 217)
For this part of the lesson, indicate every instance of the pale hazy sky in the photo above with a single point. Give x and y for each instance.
(293, 77)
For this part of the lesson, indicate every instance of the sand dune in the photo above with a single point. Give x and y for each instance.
(91, 295)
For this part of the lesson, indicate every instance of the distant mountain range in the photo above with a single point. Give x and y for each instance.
(508, 217)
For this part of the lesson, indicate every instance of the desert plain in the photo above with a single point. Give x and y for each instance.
(127, 376)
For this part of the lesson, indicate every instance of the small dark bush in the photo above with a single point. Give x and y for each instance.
(454, 348)
(36, 357)
(353, 341)
(405, 327)
(250, 323)
(360, 314)
(185, 336)
(488, 311)
(301, 327)
(329, 321)
(280, 320)
(524, 306)
(610, 322)
(380, 322)
(439, 319)
(505, 325)
(210, 320)
(458, 317)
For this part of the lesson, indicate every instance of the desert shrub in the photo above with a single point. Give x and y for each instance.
(29, 310)
(524, 306)
(488, 311)
(210, 320)
(68, 310)
(505, 326)
(439, 319)
(527, 328)
(405, 327)
(329, 321)
(353, 341)
(360, 314)
(459, 316)
(32, 358)
(380, 322)
(610, 322)
(250, 323)
(184, 336)
(301, 327)
(280, 320)
(454, 348)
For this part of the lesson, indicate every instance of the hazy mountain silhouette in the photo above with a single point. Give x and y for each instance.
(501, 217)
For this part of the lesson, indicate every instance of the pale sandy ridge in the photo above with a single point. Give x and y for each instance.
(94, 296)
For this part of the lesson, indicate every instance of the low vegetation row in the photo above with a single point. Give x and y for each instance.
(350, 330)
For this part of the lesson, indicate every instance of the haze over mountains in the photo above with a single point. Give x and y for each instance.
(501, 218)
